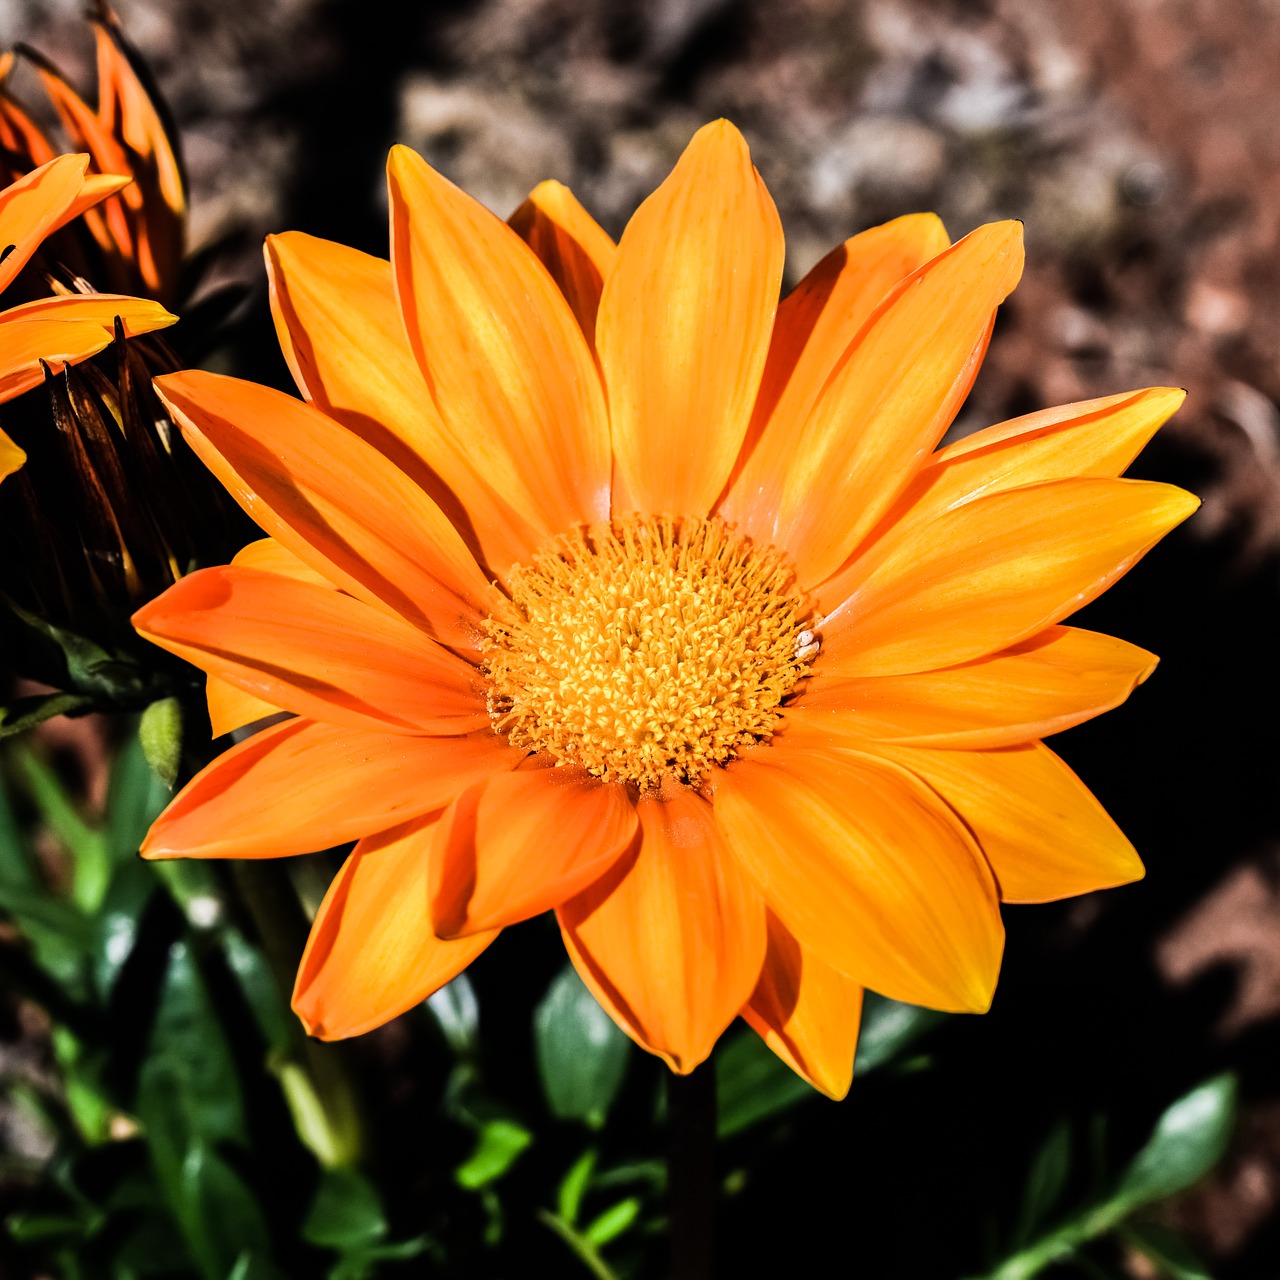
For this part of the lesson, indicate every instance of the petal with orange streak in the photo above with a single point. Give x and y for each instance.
(315, 652)
(371, 954)
(571, 244)
(231, 708)
(97, 188)
(501, 352)
(1043, 832)
(515, 846)
(333, 500)
(31, 208)
(1089, 439)
(65, 331)
(672, 939)
(816, 487)
(994, 572)
(301, 786)
(869, 870)
(1057, 679)
(807, 1012)
(822, 315)
(684, 324)
(339, 326)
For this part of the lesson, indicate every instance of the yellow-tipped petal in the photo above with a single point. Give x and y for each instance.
(869, 870)
(684, 325)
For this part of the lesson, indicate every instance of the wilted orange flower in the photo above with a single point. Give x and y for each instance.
(138, 233)
(599, 581)
(57, 330)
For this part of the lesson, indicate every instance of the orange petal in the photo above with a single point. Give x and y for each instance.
(333, 500)
(339, 326)
(503, 357)
(231, 708)
(1058, 678)
(271, 556)
(817, 486)
(65, 330)
(97, 188)
(515, 846)
(11, 457)
(684, 324)
(672, 939)
(371, 954)
(869, 870)
(1043, 833)
(807, 1012)
(301, 786)
(127, 110)
(1093, 438)
(314, 651)
(994, 572)
(820, 318)
(31, 208)
(571, 244)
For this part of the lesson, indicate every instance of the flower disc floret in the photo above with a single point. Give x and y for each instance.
(647, 649)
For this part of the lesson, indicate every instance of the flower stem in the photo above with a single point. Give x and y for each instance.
(691, 1130)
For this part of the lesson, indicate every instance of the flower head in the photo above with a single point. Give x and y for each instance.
(133, 242)
(599, 581)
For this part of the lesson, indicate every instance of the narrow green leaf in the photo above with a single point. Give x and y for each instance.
(1045, 1182)
(582, 1056)
(574, 1186)
(499, 1146)
(25, 713)
(612, 1222)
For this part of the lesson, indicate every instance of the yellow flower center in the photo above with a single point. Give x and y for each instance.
(647, 649)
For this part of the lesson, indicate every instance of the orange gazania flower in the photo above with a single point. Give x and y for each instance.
(599, 581)
(57, 330)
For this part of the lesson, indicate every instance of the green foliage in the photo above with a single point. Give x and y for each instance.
(581, 1054)
(1188, 1140)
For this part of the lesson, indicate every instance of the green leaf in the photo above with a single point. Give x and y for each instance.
(346, 1213)
(25, 713)
(457, 1011)
(1189, 1139)
(189, 1089)
(1170, 1253)
(752, 1083)
(220, 1217)
(160, 732)
(612, 1222)
(582, 1056)
(135, 797)
(888, 1028)
(1045, 1182)
(499, 1146)
(574, 1186)
(91, 870)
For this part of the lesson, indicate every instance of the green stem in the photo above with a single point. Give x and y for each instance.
(691, 1132)
(587, 1253)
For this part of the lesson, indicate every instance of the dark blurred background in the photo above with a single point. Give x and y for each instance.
(1140, 142)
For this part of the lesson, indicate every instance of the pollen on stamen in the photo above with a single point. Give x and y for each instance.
(647, 649)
